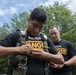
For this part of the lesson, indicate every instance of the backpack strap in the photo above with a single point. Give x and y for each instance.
(22, 39)
(19, 59)
(44, 38)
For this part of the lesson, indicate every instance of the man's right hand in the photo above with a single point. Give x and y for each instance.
(25, 49)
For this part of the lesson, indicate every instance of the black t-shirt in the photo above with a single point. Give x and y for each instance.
(68, 51)
(35, 66)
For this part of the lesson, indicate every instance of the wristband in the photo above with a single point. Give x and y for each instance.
(65, 64)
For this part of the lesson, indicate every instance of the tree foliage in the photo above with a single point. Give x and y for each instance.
(61, 16)
(19, 21)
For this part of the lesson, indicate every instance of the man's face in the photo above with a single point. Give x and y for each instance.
(55, 34)
(34, 27)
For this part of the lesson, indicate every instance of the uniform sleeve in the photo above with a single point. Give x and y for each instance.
(10, 40)
(71, 50)
(52, 49)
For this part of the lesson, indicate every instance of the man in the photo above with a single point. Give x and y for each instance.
(66, 49)
(34, 45)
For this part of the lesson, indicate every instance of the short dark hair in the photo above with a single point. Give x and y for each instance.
(38, 14)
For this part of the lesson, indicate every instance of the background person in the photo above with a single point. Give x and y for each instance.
(66, 49)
